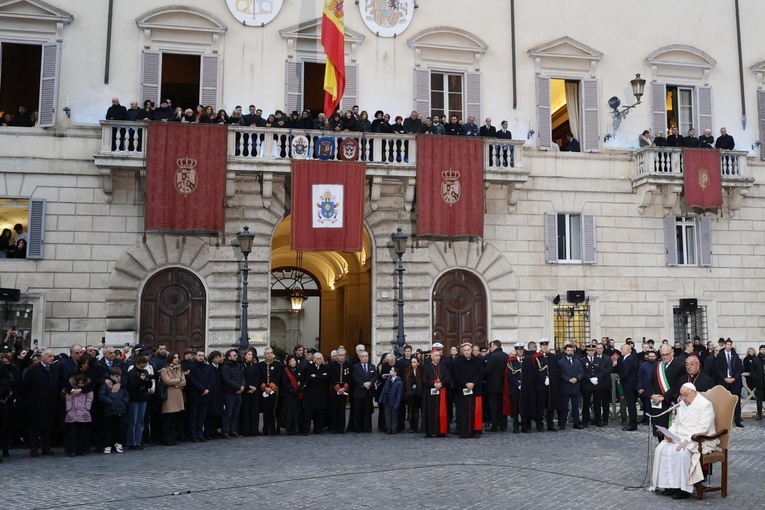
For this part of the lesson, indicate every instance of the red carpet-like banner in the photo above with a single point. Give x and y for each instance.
(186, 177)
(327, 206)
(703, 182)
(449, 186)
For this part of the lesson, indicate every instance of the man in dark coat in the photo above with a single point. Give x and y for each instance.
(628, 371)
(729, 369)
(116, 111)
(547, 386)
(643, 383)
(589, 385)
(725, 141)
(41, 387)
(495, 364)
(315, 393)
(198, 386)
(662, 393)
(340, 378)
(364, 378)
(529, 400)
(758, 372)
(214, 420)
(602, 400)
(513, 379)
(694, 375)
(571, 373)
(271, 372)
(435, 379)
(467, 376)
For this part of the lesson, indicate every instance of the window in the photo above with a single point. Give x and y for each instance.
(680, 108)
(572, 324)
(446, 94)
(690, 322)
(19, 316)
(30, 214)
(570, 238)
(688, 241)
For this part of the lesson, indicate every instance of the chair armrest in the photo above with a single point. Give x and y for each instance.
(702, 437)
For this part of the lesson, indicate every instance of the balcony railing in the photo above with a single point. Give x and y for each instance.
(253, 145)
(668, 161)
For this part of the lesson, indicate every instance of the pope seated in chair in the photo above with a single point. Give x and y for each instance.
(676, 466)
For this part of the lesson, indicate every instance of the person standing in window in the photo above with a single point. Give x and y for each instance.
(573, 143)
(5, 244)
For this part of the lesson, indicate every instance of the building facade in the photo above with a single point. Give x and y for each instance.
(576, 245)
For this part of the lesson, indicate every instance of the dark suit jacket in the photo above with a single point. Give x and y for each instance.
(490, 131)
(628, 371)
(494, 371)
(567, 371)
(359, 378)
(736, 369)
(507, 135)
(198, 380)
(316, 386)
(674, 371)
(41, 396)
(573, 145)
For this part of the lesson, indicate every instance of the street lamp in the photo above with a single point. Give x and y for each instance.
(245, 238)
(399, 248)
(638, 86)
(296, 301)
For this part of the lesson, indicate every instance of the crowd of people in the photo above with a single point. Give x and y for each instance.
(22, 118)
(13, 243)
(102, 397)
(675, 139)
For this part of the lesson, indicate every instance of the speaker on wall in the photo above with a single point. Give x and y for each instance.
(575, 296)
(10, 294)
(689, 304)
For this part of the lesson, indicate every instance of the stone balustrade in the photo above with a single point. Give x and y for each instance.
(667, 161)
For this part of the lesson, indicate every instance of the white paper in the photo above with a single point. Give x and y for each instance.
(655, 405)
(467, 391)
(435, 391)
(667, 433)
(547, 381)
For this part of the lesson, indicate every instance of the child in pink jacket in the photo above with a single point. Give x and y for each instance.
(78, 419)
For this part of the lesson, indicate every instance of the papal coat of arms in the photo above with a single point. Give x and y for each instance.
(299, 147)
(325, 148)
(703, 178)
(451, 190)
(327, 202)
(186, 175)
(254, 13)
(387, 18)
(349, 149)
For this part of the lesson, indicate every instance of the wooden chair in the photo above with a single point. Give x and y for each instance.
(724, 403)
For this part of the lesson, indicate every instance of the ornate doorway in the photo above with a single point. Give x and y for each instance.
(173, 310)
(459, 309)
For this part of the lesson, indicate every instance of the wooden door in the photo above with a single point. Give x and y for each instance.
(459, 309)
(173, 310)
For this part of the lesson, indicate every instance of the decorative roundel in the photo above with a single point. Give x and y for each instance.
(387, 18)
(254, 13)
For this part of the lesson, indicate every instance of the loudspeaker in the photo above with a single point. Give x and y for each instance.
(10, 294)
(689, 304)
(575, 296)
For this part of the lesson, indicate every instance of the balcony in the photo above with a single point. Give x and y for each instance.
(268, 152)
(659, 171)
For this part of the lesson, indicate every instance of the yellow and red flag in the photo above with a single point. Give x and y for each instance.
(333, 40)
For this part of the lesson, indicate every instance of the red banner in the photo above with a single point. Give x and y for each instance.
(186, 177)
(703, 182)
(449, 186)
(327, 206)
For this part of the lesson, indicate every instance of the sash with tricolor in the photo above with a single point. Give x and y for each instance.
(333, 40)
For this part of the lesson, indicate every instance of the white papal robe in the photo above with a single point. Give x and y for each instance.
(680, 470)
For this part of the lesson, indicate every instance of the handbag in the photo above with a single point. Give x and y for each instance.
(161, 389)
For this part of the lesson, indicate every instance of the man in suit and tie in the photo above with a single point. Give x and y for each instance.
(628, 371)
(364, 379)
(573, 143)
(487, 129)
(571, 374)
(602, 397)
(41, 386)
(729, 369)
(663, 395)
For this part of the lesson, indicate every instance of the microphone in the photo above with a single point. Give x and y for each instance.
(671, 408)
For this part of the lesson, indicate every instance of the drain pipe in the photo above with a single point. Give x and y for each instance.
(108, 41)
(740, 70)
(512, 51)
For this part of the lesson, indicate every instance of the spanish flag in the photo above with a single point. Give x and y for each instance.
(333, 40)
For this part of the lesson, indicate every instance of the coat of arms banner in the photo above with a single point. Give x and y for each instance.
(186, 177)
(703, 180)
(449, 186)
(327, 206)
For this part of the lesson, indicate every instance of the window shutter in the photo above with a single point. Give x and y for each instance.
(761, 113)
(705, 241)
(670, 240)
(351, 94)
(209, 74)
(544, 122)
(293, 86)
(590, 253)
(590, 116)
(658, 108)
(51, 54)
(705, 109)
(551, 238)
(473, 96)
(36, 228)
(422, 91)
(151, 69)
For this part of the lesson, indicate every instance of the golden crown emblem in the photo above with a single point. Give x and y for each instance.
(186, 163)
(450, 175)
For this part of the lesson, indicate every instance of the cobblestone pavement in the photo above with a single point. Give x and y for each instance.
(595, 468)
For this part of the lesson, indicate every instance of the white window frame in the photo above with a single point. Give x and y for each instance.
(686, 229)
(702, 243)
(36, 210)
(587, 238)
(447, 113)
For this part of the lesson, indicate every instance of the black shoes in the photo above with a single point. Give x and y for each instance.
(578, 427)
(680, 494)
(630, 428)
(740, 424)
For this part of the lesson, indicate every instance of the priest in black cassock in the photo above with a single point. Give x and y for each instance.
(468, 374)
(435, 380)
(270, 371)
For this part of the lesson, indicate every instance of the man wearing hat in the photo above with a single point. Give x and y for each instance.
(495, 363)
(589, 386)
(435, 380)
(547, 380)
(529, 412)
(468, 374)
(513, 383)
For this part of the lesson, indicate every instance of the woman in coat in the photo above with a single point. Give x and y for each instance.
(175, 380)
(413, 393)
(290, 396)
(249, 414)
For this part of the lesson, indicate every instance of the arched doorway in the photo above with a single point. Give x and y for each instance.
(459, 309)
(173, 310)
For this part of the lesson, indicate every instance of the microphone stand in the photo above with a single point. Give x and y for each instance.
(650, 433)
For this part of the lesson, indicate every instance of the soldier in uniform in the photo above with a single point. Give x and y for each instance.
(589, 385)
(435, 380)
(340, 380)
(513, 383)
(270, 371)
(528, 389)
(547, 375)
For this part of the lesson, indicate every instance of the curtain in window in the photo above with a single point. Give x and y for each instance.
(574, 108)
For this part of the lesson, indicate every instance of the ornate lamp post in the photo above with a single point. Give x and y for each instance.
(245, 238)
(399, 248)
(638, 86)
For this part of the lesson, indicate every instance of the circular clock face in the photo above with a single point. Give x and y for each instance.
(254, 13)
(387, 18)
